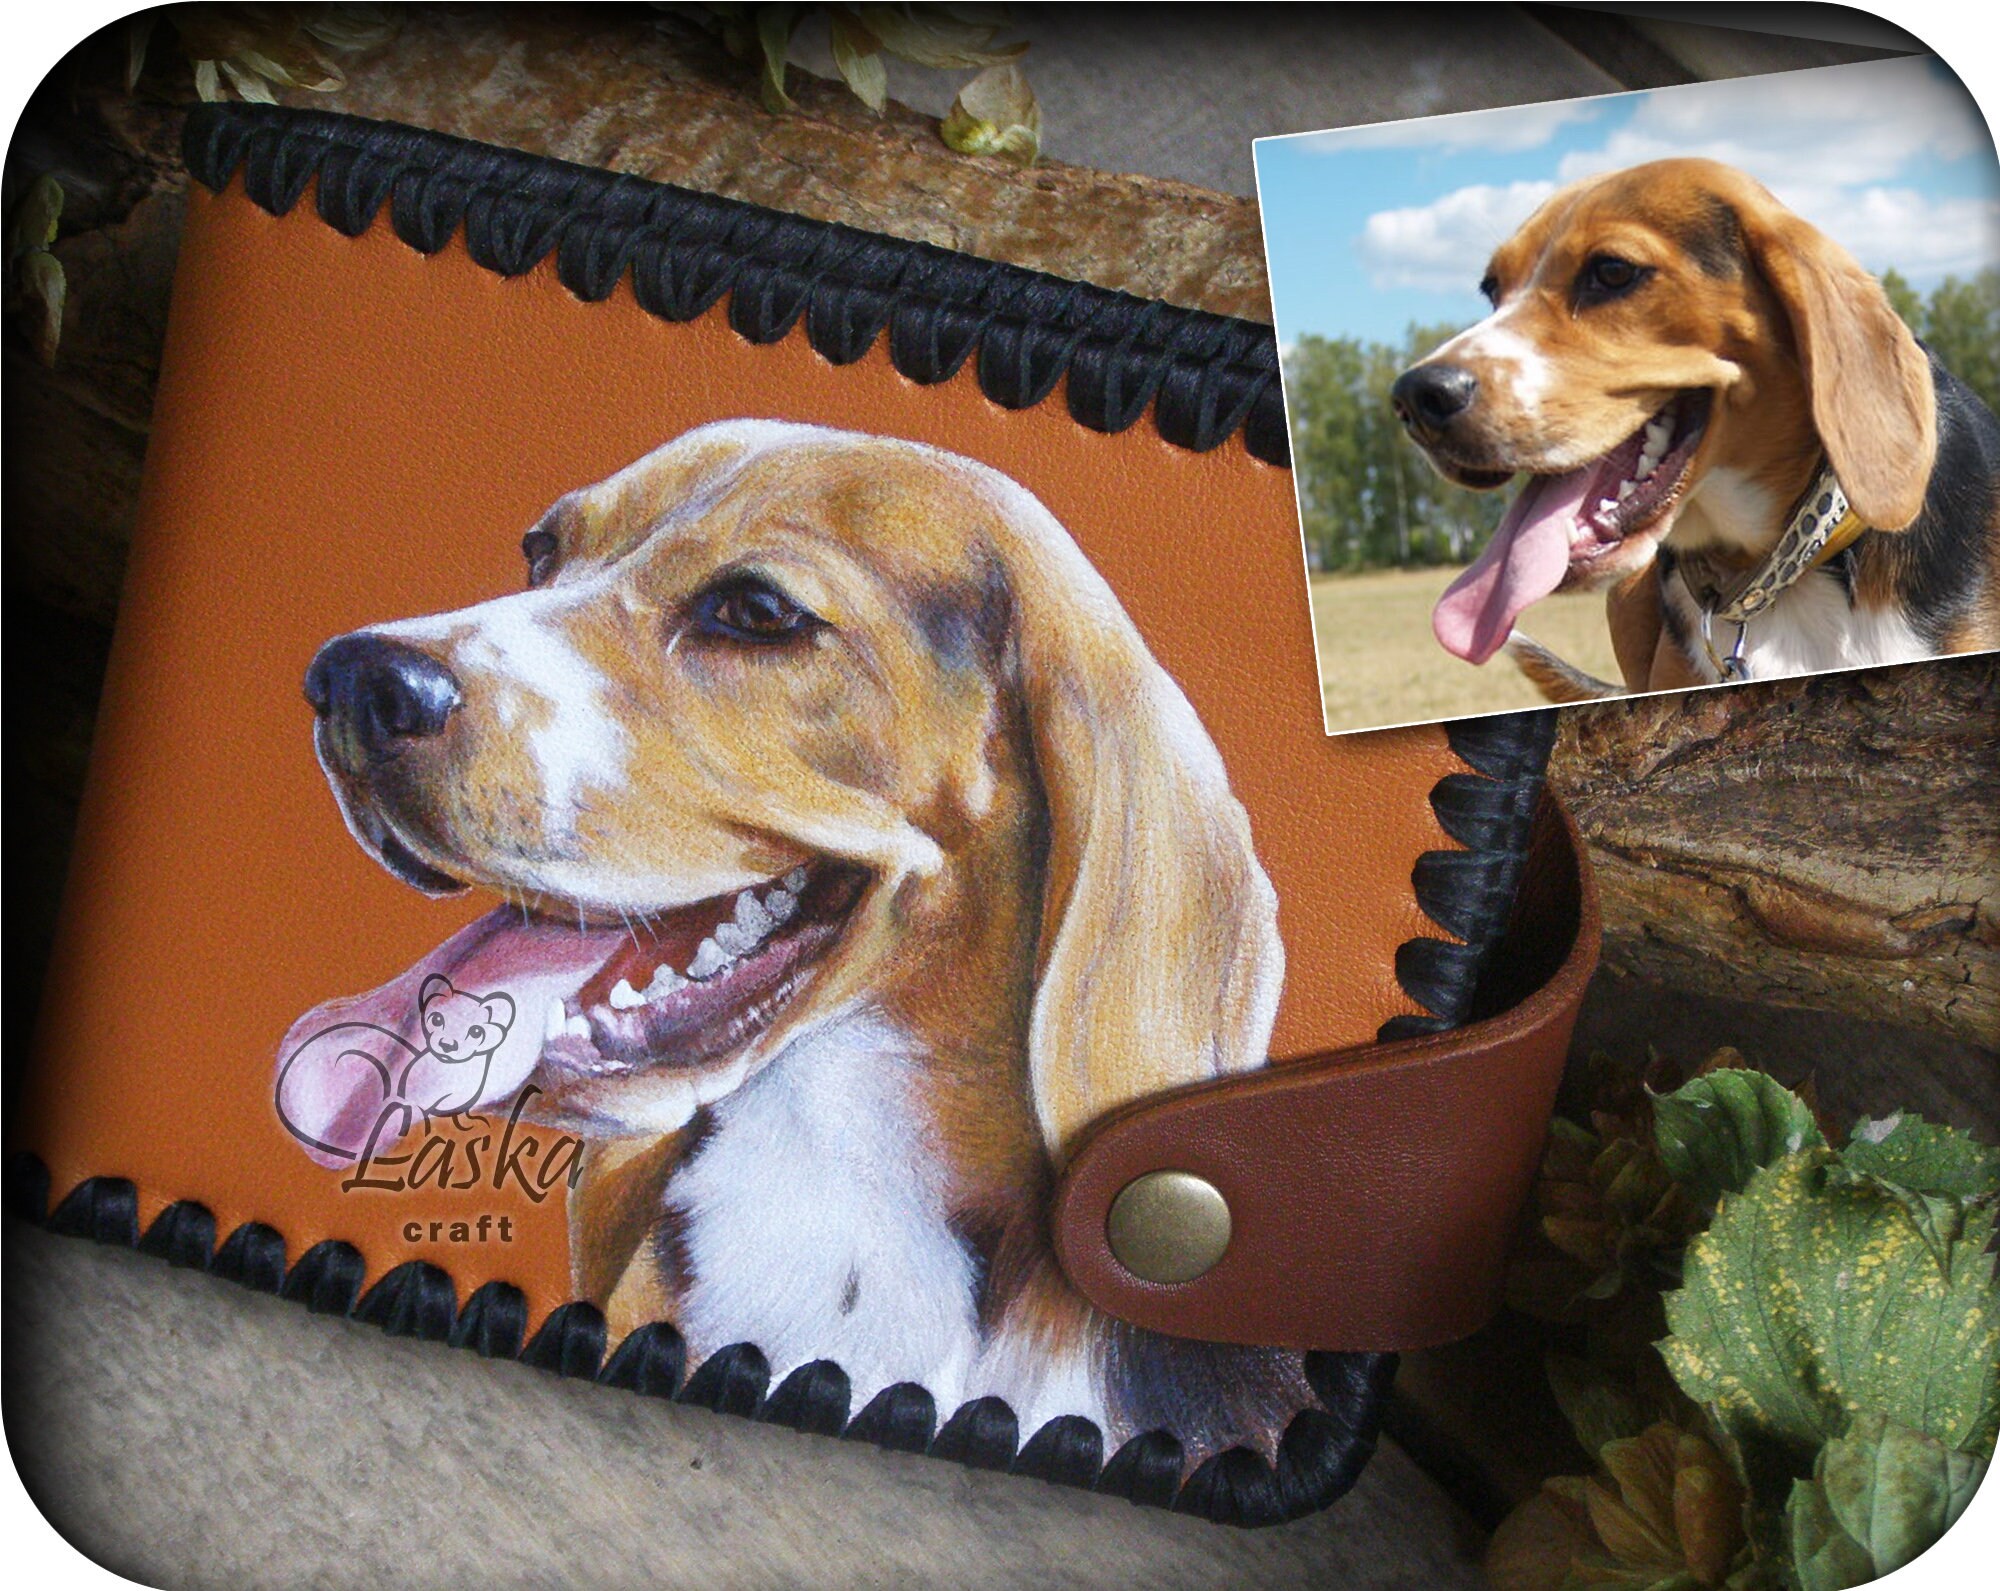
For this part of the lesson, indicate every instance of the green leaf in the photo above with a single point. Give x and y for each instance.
(353, 27)
(42, 277)
(858, 55)
(248, 83)
(1808, 1300)
(996, 114)
(1597, 1408)
(931, 37)
(1717, 1130)
(1878, 1498)
(1935, 1174)
(774, 40)
(138, 36)
(1906, 1149)
(35, 218)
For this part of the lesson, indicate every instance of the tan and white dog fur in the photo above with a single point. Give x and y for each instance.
(1674, 344)
(860, 855)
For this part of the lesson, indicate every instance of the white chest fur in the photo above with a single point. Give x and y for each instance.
(1808, 630)
(815, 1221)
(1812, 627)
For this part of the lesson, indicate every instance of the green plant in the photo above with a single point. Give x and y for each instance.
(994, 114)
(254, 47)
(32, 264)
(1836, 1341)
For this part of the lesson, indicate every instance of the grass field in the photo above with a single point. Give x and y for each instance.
(1379, 664)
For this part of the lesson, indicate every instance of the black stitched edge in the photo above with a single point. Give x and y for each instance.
(1204, 376)
(1470, 892)
(1322, 1452)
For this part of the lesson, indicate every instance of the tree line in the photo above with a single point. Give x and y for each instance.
(1370, 501)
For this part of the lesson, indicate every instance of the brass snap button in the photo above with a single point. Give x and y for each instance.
(1168, 1226)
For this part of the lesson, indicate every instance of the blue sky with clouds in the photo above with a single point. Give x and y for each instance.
(1371, 228)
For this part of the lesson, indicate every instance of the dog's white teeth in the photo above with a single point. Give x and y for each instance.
(577, 1027)
(1606, 505)
(779, 906)
(1659, 439)
(752, 917)
(1626, 489)
(709, 959)
(558, 1019)
(665, 982)
(624, 997)
(733, 940)
(795, 880)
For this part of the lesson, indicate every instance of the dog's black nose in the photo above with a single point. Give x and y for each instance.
(372, 692)
(1430, 397)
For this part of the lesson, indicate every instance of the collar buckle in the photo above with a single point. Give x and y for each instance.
(1730, 670)
(1822, 525)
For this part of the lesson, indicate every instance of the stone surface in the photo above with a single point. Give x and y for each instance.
(325, 1453)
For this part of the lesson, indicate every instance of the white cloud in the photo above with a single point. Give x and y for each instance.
(1442, 247)
(1923, 236)
(1830, 143)
(1501, 132)
(1838, 126)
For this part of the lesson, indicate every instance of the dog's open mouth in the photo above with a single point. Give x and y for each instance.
(1562, 524)
(692, 986)
(678, 995)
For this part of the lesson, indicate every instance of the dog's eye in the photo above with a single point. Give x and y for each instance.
(539, 548)
(1489, 289)
(1605, 276)
(749, 609)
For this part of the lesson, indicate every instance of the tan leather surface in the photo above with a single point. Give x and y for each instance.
(348, 431)
(1372, 1194)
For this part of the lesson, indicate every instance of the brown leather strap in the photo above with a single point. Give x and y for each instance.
(1372, 1191)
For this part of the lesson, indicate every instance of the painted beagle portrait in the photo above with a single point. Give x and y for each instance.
(1724, 425)
(854, 853)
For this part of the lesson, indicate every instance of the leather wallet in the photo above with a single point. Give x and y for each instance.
(739, 807)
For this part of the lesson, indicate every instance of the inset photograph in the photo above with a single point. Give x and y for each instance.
(1644, 392)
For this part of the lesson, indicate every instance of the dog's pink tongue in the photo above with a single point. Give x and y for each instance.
(1523, 563)
(344, 1063)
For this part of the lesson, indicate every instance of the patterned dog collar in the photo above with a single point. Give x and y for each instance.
(1823, 524)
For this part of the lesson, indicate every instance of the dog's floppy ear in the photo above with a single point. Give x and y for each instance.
(1159, 961)
(1873, 401)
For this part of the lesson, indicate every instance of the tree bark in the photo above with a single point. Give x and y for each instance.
(1832, 842)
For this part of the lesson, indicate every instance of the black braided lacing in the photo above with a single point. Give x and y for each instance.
(1470, 892)
(1204, 376)
(1321, 1453)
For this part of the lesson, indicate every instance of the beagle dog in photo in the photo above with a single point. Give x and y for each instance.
(855, 854)
(1726, 426)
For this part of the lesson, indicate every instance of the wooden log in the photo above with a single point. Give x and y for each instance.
(1832, 842)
